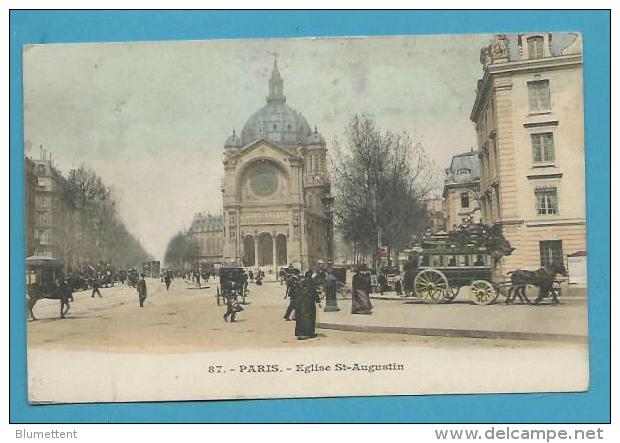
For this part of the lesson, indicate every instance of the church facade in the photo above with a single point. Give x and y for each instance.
(275, 182)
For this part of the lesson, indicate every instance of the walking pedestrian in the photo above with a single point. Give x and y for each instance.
(411, 270)
(232, 303)
(292, 289)
(305, 308)
(141, 288)
(167, 280)
(360, 300)
(96, 287)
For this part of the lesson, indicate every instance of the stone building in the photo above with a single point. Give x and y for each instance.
(435, 214)
(207, 231)
(275, 181)
(461, 190)
(528, 114)
(30, 191)
(52, 211)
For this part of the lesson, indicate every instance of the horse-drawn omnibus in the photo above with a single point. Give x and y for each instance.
(442, 269)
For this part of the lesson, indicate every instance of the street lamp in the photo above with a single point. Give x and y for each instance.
(197, 249)
(331, 304)
(328, 203)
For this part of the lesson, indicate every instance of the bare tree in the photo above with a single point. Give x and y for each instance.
(380, 180)
(97, 233)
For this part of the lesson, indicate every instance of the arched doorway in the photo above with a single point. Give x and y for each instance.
(265, 249)
(248, 251)
(281, 252)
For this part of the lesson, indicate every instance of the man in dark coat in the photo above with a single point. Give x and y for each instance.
(411, 270)
(305, 308)
(167, 280)
(232, 303)
(96, 287)
(292, 290)
(141, 288)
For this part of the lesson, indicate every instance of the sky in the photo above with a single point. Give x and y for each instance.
(151, 118)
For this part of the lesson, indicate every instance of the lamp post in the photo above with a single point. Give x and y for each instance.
(331, 284)
(328, 203)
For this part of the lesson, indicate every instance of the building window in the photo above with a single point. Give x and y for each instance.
(546, 201)
(535, 47)
(551, 252)
(463, 175)
(464, 199)
(542, 147)
(539, 96)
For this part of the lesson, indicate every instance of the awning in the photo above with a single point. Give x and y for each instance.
(43, 260)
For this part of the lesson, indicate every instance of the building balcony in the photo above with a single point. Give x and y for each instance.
(316, 180)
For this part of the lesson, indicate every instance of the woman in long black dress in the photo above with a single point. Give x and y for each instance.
(360, 300)
(305, 308)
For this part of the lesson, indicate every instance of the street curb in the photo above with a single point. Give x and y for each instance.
(415, 300)
(443, 332)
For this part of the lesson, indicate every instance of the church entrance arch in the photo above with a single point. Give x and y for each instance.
(281, 252)
(248, 251)
(265, 249)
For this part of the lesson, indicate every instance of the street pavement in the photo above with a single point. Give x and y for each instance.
(565, 321)
(188, 316)
(110, 349)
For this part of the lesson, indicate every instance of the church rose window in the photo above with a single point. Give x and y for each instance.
(264, 181)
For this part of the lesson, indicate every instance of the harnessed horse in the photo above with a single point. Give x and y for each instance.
(62, 293)
(542, 278)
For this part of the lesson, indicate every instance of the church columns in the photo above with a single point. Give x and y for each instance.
(256, 245)
(274, 260)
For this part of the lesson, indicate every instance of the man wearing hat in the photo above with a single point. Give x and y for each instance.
(141, 287)
(292, 291)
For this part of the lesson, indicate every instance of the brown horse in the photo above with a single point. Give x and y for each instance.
(36, 293)
(543, 279)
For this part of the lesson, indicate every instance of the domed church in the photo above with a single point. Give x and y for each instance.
(275, 180)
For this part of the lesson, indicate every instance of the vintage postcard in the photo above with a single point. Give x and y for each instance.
(317, 217)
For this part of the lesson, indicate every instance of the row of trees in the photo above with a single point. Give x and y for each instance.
(95, 232)
(381, 179)
(180, 251)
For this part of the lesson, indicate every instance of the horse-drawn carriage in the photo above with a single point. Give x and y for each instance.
(441, 271)
(233, 283)
(438, 270)
(45, 279)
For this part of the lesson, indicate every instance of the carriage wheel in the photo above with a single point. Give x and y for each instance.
(483, 292)
(451, 294)
(431, 285)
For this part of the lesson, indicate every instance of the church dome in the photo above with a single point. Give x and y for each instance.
(316, 138)
(279, 123)
(276, 121)
(233, 141)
